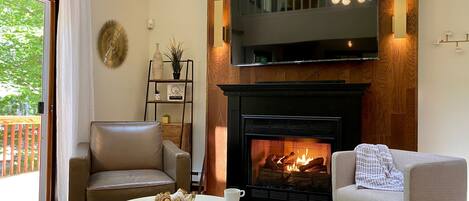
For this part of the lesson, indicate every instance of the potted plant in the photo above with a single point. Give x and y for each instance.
(174, 54)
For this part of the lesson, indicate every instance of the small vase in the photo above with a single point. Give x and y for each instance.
(176, 76)
(157, 68)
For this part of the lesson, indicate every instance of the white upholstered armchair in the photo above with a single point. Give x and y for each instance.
(428, 177)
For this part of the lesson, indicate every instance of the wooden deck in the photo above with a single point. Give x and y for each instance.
(20, 147)
(23, 187)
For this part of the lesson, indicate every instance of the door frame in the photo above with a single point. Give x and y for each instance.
(48, 158)
(43, 169)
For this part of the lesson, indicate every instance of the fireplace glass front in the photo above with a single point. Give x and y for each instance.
(291, 164)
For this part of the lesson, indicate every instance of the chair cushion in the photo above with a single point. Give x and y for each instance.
(128, 184)
(351, 193)
(125, 146)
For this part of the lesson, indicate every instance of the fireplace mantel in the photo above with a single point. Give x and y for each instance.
(294, 87)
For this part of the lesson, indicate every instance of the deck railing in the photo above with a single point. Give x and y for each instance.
(20, 145)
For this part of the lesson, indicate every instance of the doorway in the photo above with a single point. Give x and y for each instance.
(24, 63)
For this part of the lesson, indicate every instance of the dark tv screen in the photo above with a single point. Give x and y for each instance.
(266, 32)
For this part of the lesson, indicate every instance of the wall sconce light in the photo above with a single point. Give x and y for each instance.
(399, 20)
(446, 40)
(218, 29)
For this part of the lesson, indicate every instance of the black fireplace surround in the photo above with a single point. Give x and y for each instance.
(268, 118)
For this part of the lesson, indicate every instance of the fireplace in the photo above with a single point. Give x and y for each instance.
(289, 154)
(281, 137)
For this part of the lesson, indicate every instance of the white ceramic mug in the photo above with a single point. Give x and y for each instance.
(234, 194)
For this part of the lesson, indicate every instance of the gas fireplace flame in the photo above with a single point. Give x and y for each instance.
(295, 162)
(304, 159)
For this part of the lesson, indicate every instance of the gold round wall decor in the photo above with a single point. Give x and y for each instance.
(112, 44)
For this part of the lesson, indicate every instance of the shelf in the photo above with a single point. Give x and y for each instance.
(182, 61)
(171, 81)
(170, 102)
(153, 83)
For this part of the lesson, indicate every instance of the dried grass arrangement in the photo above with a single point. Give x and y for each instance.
(180, 195)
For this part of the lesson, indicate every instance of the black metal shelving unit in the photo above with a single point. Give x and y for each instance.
(188, 84)
(187, 80)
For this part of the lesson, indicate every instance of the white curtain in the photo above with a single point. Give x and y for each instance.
(74, 84)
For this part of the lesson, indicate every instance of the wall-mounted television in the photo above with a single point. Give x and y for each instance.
(267, 32)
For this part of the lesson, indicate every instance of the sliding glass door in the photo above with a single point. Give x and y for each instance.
(24, 63)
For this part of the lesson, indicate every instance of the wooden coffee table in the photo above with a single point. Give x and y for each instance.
(197, 198)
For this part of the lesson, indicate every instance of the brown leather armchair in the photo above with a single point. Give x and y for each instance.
(126, 160)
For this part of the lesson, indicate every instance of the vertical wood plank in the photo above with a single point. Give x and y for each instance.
(5, 141)
(411, 119)
(12, 149)
(26, 151)
(397, 131)
(20, 149)
(33, 146)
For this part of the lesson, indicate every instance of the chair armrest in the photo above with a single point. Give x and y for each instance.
(343, 170)
(177, 164)
(79, 172)
(440, 179)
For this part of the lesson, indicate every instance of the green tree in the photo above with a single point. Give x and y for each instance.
(21, 55)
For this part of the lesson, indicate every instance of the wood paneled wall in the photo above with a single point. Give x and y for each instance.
(390, 105)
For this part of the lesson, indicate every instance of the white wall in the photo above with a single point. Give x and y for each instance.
(443, 79)
(186, 21)
(120, 93)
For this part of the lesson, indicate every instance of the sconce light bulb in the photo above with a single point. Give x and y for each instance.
(449, 33)
(350, 44)
(346, 2)
(335, 1)
(459, 50)
(361, 1)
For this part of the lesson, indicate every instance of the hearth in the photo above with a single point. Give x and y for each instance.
(281, 137)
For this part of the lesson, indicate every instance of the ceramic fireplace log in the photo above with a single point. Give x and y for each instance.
(286, 158)
(270, 162)
(272, 177)
(317, 169)
(275, 162)
(312, 164)
(303, 180)
(310, 181)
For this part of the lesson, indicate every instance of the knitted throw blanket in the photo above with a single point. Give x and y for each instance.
(375, 169)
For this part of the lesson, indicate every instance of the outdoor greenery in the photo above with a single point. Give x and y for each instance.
(21, 52)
